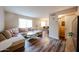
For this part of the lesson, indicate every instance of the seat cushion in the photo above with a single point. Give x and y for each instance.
(2, 37)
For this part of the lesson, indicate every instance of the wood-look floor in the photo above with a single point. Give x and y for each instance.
(44, 44)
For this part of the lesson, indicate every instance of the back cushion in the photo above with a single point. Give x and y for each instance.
(11, 31)
(2, 37)
(7, 34)
(23, 29)
(15, 31)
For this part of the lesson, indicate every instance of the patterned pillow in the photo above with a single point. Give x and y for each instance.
(2, 37)
(7, 34)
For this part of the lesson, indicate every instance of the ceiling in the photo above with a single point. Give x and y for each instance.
(35, 11)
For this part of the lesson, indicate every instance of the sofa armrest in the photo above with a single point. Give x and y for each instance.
(16, 46)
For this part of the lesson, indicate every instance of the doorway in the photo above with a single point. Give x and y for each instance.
(62, 27)
(65, 24)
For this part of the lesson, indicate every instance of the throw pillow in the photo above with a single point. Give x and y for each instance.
(2, 37)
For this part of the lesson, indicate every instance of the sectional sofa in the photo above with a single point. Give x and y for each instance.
(11, 40)
(14, 40)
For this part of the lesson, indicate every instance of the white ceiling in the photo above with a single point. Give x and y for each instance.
(35, 11)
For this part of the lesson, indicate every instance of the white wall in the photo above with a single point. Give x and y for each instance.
(46, 20)
(53, 27)
(11, 20)
(71, 26)
(68, 24)
(1, 19)
(36, 23)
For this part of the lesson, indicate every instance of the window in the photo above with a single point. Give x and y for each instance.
(25, 23)
(43, 23)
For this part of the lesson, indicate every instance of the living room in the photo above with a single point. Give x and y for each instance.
(31, 29)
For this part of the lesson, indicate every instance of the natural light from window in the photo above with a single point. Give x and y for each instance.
(25, 23)
(43, 23)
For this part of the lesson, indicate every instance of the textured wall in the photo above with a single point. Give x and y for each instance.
(1, 19)
(53, 27)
